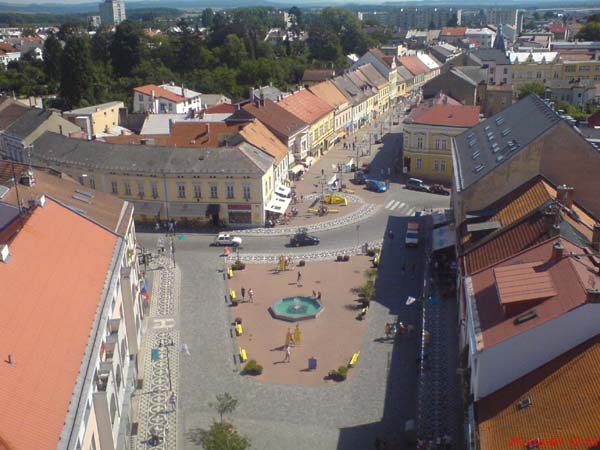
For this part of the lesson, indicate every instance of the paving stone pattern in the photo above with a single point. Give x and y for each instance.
(161, 375)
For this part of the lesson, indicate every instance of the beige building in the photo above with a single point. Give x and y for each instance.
(229, 185)
(97, 119)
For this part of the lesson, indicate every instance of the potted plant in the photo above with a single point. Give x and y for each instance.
(339, 374)
(238, 265)
(253, 368)
(346, 258)
(301, 263)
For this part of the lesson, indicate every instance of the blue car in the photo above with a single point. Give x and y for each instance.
(376, 186)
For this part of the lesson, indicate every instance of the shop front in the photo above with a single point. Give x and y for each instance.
(240, 214)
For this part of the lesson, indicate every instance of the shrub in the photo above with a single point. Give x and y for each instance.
(238, 320)
(346, 258)
(339, 374)
(340, 258)
(253, 368)
(238, 265)
(371, 252)
(301, 263)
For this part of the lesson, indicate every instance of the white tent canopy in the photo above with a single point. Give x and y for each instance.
(282, 190)
(278, 204)
(444, 237)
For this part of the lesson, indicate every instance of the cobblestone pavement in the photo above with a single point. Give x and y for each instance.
(160, 358)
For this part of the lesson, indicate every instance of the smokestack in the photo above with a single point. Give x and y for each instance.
(552, 219)
(557, 252)
(564, 195)
(596, 237)
(182, 91)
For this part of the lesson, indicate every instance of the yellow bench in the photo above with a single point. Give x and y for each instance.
(354, 359)
(238, 329)
(313, 210)
(243, 355)
(232, 294)
(349, 191)
(229, 272)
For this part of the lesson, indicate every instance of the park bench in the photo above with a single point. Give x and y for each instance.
(354, 359)
(243, 355)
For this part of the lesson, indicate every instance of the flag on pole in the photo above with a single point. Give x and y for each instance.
(144, 291)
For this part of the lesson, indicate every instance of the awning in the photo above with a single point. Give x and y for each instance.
(282, 190)
(332, 180)
(441, 217)
(444, 237)
(278, 204)
(147, 208)
(297, 169)
(187, 209)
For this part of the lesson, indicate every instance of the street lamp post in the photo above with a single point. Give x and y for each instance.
(323, 181)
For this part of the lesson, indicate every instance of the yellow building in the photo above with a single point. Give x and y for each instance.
(382, 85)
(96, 119)
(583, 70)
(428, 131)
(229, 185)
(317, 113)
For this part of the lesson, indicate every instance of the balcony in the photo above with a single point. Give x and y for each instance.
(103, 376)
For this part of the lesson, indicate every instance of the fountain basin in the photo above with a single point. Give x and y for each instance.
(296, 308)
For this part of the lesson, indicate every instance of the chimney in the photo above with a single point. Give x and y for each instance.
(182, 91)
(152, 94)
(557, 252)
(596, 237)
(565, 195)
(252, 93)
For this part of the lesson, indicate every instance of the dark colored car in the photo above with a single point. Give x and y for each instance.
(438, 189)
(302, 238)
(359, 177)
(376, 186)
(416, 185)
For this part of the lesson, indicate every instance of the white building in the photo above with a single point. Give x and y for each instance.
(166, 98)
(112, 12)
(481, 37)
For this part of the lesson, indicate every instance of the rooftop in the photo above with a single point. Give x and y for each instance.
(372, 75)
(349, 89)
(94, 108)
(414, 64)
(27, 122)
(306, 106)
(490, 54)
(564, 287)
(50, 279)
(171, 93)
(532, 57)
(54, 148)
(281, 122)
(489, 144)
(560, 393)
(445, 114)
(328, 92)
(10, 113)
(312, 75)
(453, 31)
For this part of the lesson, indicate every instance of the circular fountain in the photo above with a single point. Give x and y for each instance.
(298, 307)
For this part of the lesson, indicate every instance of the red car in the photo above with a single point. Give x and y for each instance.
(439, 189)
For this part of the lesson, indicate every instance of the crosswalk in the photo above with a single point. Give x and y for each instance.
(400, 207)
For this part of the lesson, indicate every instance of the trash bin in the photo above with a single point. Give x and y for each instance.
(312, 363)
(365, 247)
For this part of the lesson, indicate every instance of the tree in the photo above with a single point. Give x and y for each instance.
(548, 15)
(222, 436)
(534, 87)
(233, 51)
(52, 55)
(126, 48)
(452, 21)
(101, 46)
(207, 17)
(225, 404)
(589, 32)
(76, 70)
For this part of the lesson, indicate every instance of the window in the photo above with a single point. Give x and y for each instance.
(80, 178)
(538, 75)
(419, 163)
(436, 165)
(440, 144)
(92, 182)
(247, 191)
(506, 71)
(584, 68)
(570, 69)
(154, 188)
(443, 165)
(140, 97)
(197, 191)
(113, 408)
(180, 190)
(127, 187)
(420, 142)
(213, 191)
(529, 76)
(140, 188)
(230, 191)
(170, 107)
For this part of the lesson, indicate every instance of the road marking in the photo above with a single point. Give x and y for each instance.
(395, 205)
(389, 204)
(163, 323)
(410, 212)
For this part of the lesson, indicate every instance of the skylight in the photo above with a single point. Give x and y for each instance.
(506, 132)
(495, 147)
(479, 168)
(476, 154)
(499, 120)
(525, 317)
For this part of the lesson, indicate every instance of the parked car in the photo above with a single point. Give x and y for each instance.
(438, 189)
(416, 185)
(302, 238)
(227, 239)
(376, 186)
(359, 177)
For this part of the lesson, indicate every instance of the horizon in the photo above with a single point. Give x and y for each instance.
(382, 2)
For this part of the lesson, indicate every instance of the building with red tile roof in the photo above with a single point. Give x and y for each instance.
(62, 331)
(452, 31)
(329, 92)
(552, 403)
(166, 98)
(530, 308)
(317, 113)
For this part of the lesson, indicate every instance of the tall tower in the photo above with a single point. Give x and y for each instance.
(112, 12)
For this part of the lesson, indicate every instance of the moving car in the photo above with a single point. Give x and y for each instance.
(439, 189)
(376, 186)
(416, 185)
(227, 239)
(412, 234)
(302, 238)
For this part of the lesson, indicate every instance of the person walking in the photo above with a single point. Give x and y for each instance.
(288, 352)
(251, 295)
(243, 291)
(173, 401)
(299, 279)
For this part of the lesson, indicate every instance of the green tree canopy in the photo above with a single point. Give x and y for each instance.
(76, 70)
(222, 436)
(207, 17)
(52, 55)
(534, 87)
(127, 50)
(589, 32)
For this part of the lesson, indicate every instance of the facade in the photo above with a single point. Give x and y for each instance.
(576, 92)
(90, 366)
(427, 134)
(194, 185)
(534, 66)
(481, 37)
(317, 113)
(500, 16)
(382, 85)
(356, 97)
(112, 12)
(328, 92)
(369, 90)
(385, 64)
(16, 140)
(96, 119)
(166, 98)
(8, 53)
(407, 18)
(464, 84)
(523, 141)
(496, 62)
(420, 71)
(580, 70)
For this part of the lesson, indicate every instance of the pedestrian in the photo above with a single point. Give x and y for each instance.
(243, 291)
(288, 352)
(319, 296)
(251, 295)
(157, 226)
(314, 294)
(299, 279)
(173, 401)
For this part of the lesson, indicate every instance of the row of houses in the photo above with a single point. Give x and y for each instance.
(526, 209)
